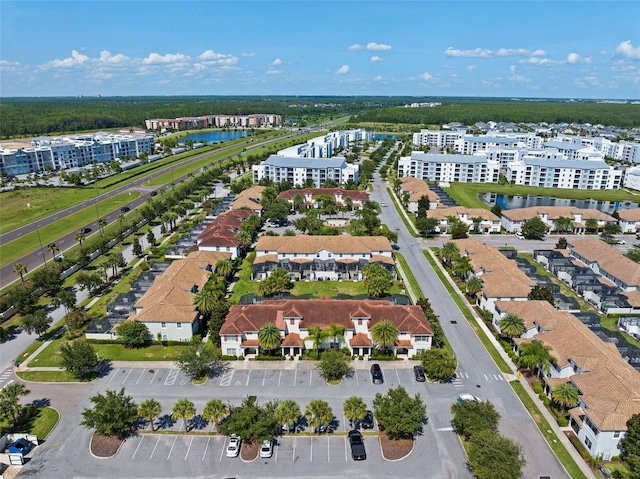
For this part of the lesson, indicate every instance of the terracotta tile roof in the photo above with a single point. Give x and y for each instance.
(249, 198)
(360, 340)
(417, 188)
(322, 312)
(308, 244)
(356, 195)
(609, 259)
(554, 212)
(502, 277)
(224, 229)
(403, 342)
(380, 258)
(631, 214)
(292, 339)
(457, 211)
(250, 343)
(536, 311)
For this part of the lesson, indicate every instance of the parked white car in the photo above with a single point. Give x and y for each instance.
(233, 449)
(266, 450)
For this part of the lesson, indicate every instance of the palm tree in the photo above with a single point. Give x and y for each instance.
(214, 411)
(204, 301)
(298, 201)
(20, 270)
(462, 265)
(563, 223)
(183, 408)
(318, 412)
(565, 394)
(224, 267)
(336, 332)
(354, 409)
(287, 412)
(384, 333)
(317, 335)
(9, 399)
(102, 222)
(591, 224)
(449, 252)
(535, 355)
(148, 410)
(121, 220)
(269, 337)
(52, 248)
(245, 238)
(80, 236)
(511, 325)
(474, 285)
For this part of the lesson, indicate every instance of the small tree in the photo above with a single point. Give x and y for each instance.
(133, 334)
(195, 360)
(136, 247)
(562, 243)
(113, 414)
(78, 357)
(544, 293)
(37, 322)
(287, 412)
(534, 227)
(512, 325)
(438, 364)
(474, 285)
(148, 410)
(318, 412)
(183, 408)
(10, 400)
(334, 365)
(492, 456)
(269, 337)
(385, 334)
(630, 445)
(565, 394)
(471, 417)
(399, 415)
(251, 421)
(214, 411)
(377, 280)
(354, 409)
(151, 238)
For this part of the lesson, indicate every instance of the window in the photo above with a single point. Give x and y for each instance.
(359, 322)
(421, 338)
(179, 325)
(231, 351)
(163, 325)
(588, 442)
(616, 433)
(165, 337)
(292, 321)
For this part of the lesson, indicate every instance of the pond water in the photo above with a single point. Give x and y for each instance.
(210, 137)
(508, 202)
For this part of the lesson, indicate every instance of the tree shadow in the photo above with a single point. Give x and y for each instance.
(197, 422)
(165, 422)
(104, 368)
(218, 368)
(10, 333)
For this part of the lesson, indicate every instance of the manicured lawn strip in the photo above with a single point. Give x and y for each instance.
(49, 357)
(53, 377)
(465, 194)
(464, 308)
(410, 227)
(55, 329)
(41, 425)
(413, 283)
(15, 249)
(243, 284)
(117, 352)
(558, 448)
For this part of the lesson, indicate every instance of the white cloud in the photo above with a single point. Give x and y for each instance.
(377, 78)
(10, 67)
(509, 52)
(625, 49)
(378, 46)
(157, 59)
(376, 58)
(471, 68)
(76, 59)
(276, 62)
(478, 52)
(574, 58)
(426, 76)
(272, 71)
(355, 46)
(538, 53)
(247, 54)
(344, 69)
(587, 81)
(512, 68)
(117, 59)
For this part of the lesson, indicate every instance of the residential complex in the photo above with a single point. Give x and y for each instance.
(64, 152)
(350, 198)
(257, 120)
(575, 219)
(449, 168)
(296, 318)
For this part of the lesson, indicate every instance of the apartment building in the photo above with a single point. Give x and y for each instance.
(439, 138)
(256, 120)
(484, 220)
(326, 145)
(342, 197)
(299, 170)
(417, 189)
(513, 219)
(221, 235)
(59, 153)
(449, 168)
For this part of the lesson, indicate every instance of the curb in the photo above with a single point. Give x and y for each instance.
(413, 446)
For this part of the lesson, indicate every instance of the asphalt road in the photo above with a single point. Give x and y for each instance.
(35, 259)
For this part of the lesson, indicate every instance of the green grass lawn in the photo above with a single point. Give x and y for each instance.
(37, 421)
(54, 377)
(15, 249)
(117, 352)
(465, 194)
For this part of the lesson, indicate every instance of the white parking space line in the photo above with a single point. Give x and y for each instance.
(279, 377)
(127, 376)
(346, 450)
(114, 375)
(344, 421)
(310, 376)
(7, 384)
(485, 377)
(248, 377)
(206, 447)
(295, 377)
(276, 458)
(154, 376)
(264, 377)
(295, 439)
(188, 449)
(225, 379)
(136, 451)
(357, 382)
(154, 447)
(171, 450)
(328, 450)
(311, 451)
(141, 374)
(398, 376)
(171, 378)
(224, 446)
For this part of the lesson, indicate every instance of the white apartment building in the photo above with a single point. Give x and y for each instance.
(438, 138)
(325, 146)
(72, 151)
(558, 173)
(632, 178)
(298, 170)
(449, 168)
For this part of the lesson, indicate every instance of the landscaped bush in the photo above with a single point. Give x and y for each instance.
(537, 387)
(584, 453)
(226, 357)
(262, 357)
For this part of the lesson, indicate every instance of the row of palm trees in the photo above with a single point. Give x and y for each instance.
(287, 411)
(384, 333)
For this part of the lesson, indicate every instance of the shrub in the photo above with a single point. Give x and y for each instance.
(537, 387)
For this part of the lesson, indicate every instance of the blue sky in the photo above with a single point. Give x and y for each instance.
(536, 49)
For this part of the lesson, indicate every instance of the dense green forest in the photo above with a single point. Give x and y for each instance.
(36, 116)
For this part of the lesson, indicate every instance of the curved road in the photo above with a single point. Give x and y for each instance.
(36, 258)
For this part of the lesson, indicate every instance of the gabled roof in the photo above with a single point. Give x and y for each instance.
(308, 244)
(442, 213)
(555, 212)
(224, 229)
(249, 198)
(609, 259)
(344, 193)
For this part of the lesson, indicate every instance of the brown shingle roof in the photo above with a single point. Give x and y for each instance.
(554, 212)
(249, 198)
(417, 188)
(312, 244)
(360, 340)
(224, 229)
(609, 259)
(534, 311)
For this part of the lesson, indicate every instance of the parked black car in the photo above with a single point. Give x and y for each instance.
(418, 372)
(124, 209)
(376, 374)
(367, 422)
(358, 452)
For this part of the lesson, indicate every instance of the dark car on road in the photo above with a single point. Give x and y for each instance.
(358, 452)
(124, 209)
(85, 230)
(367, 422)
(418, 372)
(376, 374)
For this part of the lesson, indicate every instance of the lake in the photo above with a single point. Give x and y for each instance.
(508, 202)
(211, 137)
